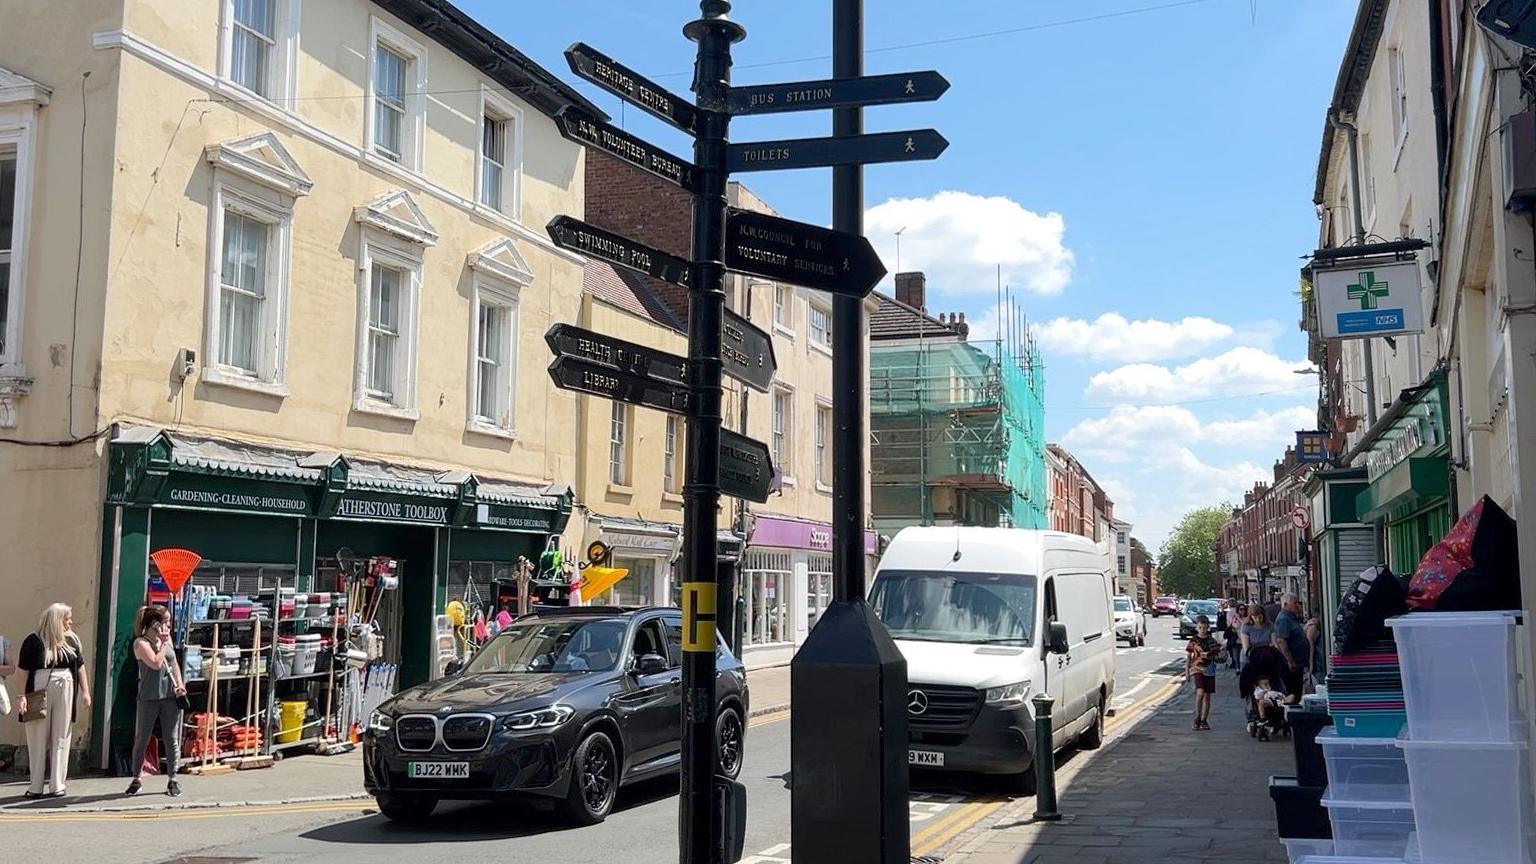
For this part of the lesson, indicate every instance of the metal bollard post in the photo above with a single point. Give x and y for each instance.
(1045, 761)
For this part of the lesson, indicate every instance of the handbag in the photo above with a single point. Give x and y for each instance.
(37, 706)
(5, 700)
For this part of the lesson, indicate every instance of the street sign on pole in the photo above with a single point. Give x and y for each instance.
(746, 467)
(598, 379)
(837, 93)
(800, 254)
(910, 146)
(625, 82)
(583, 128)
(568, 340)
(747, 353)
(594, 242)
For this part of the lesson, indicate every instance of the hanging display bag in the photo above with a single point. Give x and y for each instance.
(1375, 596)
(1473, 568)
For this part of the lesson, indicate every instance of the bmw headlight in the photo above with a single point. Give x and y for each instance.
(544, 718)
(1008, 694)
(379, 722)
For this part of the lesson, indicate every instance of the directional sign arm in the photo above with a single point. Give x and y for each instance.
(568, 340)
(910, 146)
(596, 379)
(800, 254)
(747, 353)
(583, 128)
(746, 467)
(594, 242)
(837, 93)
(631, 86)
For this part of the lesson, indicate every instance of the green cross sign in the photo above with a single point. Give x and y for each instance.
(1366, 290)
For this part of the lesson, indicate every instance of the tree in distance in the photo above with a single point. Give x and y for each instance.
(1187, 564)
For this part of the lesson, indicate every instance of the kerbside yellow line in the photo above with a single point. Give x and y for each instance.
(937, 841)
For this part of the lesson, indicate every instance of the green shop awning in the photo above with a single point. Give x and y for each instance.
(1408, 486)
(157, 468)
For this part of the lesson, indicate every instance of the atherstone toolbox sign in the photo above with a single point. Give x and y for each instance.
(1365, 298)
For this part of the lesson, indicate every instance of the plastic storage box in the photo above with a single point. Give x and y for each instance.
(1296, 850)
(1459, 675)
(1370, 829)
(1365, 769)
(1473, 800)
(1311, 770)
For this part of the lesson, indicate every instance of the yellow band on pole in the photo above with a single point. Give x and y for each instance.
(698, 616)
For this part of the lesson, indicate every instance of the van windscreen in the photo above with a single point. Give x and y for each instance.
(974, 608)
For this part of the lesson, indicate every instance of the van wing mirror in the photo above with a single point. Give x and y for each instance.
(1057, 641)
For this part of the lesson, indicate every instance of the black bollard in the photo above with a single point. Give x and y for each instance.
(1045, 762)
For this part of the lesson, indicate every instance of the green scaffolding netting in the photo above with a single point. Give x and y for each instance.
(958, 422)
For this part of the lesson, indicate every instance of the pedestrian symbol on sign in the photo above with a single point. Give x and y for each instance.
(1367, 291)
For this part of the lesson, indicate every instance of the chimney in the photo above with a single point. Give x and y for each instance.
(962, 328)
(912, 289)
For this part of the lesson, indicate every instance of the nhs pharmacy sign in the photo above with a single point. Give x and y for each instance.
(1369, 299)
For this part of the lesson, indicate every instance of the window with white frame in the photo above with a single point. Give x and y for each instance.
(669, 473)
(7, 247)
(259, 51)
(500, 274)
(395, 233)
(1397, 68)
(820, 325)
(493, 363)
(395, 90)
(783, 422)
(782, 297)
(255, 185)
(501, 132)
(618, 445)
(823, 444)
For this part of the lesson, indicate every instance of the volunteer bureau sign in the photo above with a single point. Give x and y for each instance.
(392, 510)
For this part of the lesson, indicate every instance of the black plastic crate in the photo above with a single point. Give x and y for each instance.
(1299, 811)
(1311, 767)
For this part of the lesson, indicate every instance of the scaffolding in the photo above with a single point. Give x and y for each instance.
(958, 433)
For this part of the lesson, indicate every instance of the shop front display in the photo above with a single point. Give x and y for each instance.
(1408, 471)
(647, 550)
(322, 584)
(1343, 544)
(786, 583)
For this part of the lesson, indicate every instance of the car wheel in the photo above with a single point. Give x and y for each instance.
(407, 808)
(730, 742)
(594, 780)
(1093, 737)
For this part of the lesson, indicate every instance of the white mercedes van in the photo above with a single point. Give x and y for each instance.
(987, 618)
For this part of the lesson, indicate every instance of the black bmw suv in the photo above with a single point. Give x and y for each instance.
(564, 705)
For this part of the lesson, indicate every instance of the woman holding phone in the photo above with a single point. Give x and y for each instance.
(161, 689)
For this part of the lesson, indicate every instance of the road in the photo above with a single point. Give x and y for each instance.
(641, 831)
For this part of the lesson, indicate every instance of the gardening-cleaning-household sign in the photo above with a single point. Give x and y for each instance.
(1379, 298)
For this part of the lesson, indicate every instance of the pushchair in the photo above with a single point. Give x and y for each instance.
(1263, 661)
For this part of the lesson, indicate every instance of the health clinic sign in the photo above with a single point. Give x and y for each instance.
(1367, 299)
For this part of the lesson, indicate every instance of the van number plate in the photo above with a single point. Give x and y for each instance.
(438, 770)
(925, 758)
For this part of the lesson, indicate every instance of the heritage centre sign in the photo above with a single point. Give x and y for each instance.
(1369, 298)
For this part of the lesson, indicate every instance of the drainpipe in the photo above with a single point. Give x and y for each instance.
(1359, 238)
(1437, 90)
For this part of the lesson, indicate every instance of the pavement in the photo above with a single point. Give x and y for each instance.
(1157, 789)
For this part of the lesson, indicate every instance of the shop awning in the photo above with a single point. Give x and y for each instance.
(155, 467)
(1406, 487)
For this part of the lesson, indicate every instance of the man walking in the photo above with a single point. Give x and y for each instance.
(1290, 639)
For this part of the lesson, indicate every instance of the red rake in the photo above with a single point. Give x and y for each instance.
(176, 567)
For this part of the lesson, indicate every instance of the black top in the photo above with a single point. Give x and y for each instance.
(32, 655)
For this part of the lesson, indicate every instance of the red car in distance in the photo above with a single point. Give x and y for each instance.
(1165, 605)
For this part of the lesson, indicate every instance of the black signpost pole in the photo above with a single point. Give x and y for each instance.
(849, 787)
(699, 829)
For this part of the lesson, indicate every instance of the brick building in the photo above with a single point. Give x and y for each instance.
(1261, 552)
(1079, 505)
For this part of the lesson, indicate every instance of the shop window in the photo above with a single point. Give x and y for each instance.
(638, 588)
(669, 471)
(396, 86)
(501, 135)
(818, 587)
(768, 578)
(259, 49)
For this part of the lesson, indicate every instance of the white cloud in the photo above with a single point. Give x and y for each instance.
(1112, 337)
(1243, 371)
(960, 240)
(1128, 432)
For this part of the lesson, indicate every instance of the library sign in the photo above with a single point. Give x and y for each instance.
(1367, 298)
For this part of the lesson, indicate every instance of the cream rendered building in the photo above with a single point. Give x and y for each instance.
(274, 286)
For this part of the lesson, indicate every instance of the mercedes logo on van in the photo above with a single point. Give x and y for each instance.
(917, 702)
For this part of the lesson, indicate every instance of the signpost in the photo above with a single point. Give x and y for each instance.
(838, 93)
(913, 146)
(633, 87)
(850, 801)
(583, 128)
(801, 254)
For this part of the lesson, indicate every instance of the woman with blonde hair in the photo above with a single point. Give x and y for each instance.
(53, 663)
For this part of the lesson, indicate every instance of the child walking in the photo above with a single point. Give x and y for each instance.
(1202, 657)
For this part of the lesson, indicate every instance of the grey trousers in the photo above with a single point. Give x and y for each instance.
(169, 715)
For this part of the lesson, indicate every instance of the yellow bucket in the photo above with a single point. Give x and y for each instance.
(292, 725)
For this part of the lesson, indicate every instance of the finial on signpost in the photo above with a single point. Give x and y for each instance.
(715, 14)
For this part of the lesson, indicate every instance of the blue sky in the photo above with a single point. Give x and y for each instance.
(1144, 180)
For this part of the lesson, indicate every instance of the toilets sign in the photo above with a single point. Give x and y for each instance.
(1364, 299)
